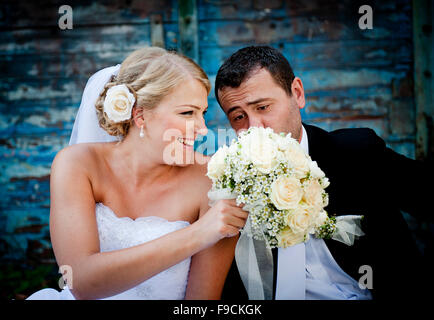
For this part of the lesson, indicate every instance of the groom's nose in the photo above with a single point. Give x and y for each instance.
(256, 121)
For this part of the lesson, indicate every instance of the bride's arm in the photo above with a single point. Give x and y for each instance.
(209, 267)
(75, 241)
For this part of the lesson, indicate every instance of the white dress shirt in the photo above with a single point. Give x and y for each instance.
(309, 271)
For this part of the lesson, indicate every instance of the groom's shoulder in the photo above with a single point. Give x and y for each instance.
(363, 138)
(350, 139)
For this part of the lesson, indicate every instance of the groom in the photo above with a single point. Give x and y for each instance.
(257, 87)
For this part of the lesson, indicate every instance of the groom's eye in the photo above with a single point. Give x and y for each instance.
(187, 113)
(262, 107)
(238, 117)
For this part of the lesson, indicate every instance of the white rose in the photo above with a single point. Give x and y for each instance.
(285, 142)
(258, 148)
(216, 165)
(233, 148)
(315, 171)
(298, 159)
(325, 182)
(298, 220)
(286, 192)
(313, 194)
(320, 219)
(118, 103)
(287, 238)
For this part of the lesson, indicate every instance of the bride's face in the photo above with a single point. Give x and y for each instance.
(173, 125)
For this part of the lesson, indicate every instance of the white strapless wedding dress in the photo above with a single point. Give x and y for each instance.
(118, 233)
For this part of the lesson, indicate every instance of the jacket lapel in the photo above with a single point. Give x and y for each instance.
(319, 143)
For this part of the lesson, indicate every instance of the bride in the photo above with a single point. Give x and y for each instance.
(129, 214)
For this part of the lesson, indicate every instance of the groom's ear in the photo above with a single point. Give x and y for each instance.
(297, 91)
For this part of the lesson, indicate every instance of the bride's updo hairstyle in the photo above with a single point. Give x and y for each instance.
(147, 75)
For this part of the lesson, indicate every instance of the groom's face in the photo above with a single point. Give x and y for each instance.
(260, 102)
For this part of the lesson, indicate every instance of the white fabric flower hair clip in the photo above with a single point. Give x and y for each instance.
(118, 103)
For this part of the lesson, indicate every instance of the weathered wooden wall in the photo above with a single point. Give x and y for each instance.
(352, 78)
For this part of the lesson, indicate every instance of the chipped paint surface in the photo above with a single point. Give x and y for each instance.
(352, 78)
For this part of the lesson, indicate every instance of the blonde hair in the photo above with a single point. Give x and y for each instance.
(151, 73)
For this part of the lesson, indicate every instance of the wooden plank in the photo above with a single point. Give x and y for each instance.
(45, 66)
(157, 31)
(302, 56)
(34, 89)
(296, 30)
(101, 40)
(29, 14)
(30, 191)
(313, 55)
(276, 9)
(423, 16)
(188, 29)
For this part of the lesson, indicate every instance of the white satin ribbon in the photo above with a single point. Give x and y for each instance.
(291, 273)
(255, 264)
(253, 257)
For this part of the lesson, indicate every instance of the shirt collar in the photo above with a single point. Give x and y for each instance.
(304, 143)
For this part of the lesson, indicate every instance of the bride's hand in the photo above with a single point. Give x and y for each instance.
(223, 219)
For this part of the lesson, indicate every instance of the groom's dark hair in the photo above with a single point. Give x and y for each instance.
(238, 67)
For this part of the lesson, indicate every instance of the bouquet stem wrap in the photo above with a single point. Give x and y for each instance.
(253, 257)
(255, 264)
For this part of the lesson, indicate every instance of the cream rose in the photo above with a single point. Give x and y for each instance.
(284, 142)
(118, 103)
(325, 182)
(298, 220)
(259, 149)
(216, 164)
(320, 219)
(313, 194)
(315, 171)
(287, 238)
(298, 159)
(286, 192)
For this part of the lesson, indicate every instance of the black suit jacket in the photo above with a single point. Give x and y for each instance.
(367, 178)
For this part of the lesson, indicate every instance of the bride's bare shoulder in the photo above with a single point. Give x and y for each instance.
(78, 156)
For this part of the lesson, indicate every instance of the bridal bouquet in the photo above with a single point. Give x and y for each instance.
(280, 185)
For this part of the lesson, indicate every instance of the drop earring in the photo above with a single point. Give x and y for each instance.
(142, 133)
